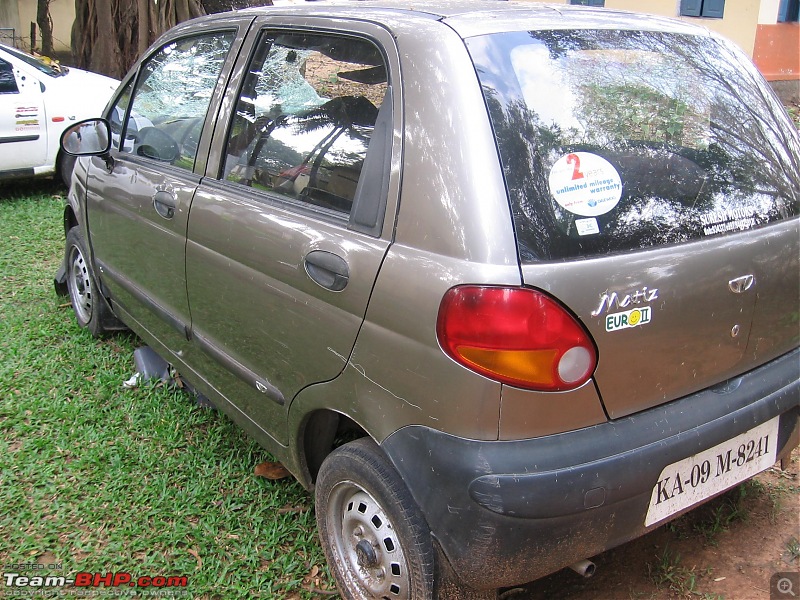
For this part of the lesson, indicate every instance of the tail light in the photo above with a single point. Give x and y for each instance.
(517, 336)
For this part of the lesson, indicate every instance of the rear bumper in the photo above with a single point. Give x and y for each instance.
(508, 512)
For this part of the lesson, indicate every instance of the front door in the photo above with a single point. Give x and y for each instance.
(285, 244)
(23, 126)
(138, 208)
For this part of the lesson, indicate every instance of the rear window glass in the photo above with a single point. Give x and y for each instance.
(620, 140)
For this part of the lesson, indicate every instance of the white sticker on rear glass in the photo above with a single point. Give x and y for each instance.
(585, 184)
(587, 226)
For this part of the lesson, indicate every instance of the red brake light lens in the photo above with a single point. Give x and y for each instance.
(517, 336)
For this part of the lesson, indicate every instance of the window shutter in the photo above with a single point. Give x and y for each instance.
(789, 11)
(691, 8)
(713, 9)
(783, 11)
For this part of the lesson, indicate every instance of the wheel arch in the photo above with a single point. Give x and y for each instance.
(319, 433)
(70, 218)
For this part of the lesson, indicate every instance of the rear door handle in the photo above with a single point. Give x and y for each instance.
(327, 269)
(165, 204)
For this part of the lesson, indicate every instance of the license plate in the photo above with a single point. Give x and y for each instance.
(691, 480)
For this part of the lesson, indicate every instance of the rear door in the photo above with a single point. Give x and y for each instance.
(23, 124)
(138, 209)
(655, 183)
(286, 238)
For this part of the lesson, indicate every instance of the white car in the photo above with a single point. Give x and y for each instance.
(37, 102)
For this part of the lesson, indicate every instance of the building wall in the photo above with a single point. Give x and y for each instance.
(776, 52)
(62, 12)
(9, 19)
(769, 12)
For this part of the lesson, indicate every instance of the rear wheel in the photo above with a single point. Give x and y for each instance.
(91, 310)
(374, 535)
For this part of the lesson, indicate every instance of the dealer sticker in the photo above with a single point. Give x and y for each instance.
(692, 480)
(587, 226)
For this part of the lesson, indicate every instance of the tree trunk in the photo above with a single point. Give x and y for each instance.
(143, 37)
(45, 26)
(109, 35)
(106, 52)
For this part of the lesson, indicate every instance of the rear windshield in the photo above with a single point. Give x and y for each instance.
(619, 140)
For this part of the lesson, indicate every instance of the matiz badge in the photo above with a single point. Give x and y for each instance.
(629, 319)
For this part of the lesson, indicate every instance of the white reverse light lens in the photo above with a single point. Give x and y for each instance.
(574, 365)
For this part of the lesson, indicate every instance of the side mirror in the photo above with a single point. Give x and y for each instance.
(91, 137)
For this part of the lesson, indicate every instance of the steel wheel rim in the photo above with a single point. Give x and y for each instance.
(79, 284)
(373, 561)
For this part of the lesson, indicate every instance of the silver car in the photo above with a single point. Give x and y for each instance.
(505, 285)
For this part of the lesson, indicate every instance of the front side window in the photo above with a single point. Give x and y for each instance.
(305, 116)
(619, 140)
(8, 83)
(172, 95)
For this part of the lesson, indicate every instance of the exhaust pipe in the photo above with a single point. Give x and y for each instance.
(584, 568)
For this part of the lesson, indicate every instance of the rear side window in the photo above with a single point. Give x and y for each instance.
(305, 117)
(619, 140)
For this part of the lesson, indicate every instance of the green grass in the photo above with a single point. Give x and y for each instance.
(793, 549)
(98, 478)
(666, 572)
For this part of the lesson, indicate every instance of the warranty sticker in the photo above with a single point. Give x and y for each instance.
(585, 184)
(629, 319)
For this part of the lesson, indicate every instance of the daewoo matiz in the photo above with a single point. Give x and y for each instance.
(505, 284)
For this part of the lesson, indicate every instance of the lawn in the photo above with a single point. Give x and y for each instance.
(97, 478)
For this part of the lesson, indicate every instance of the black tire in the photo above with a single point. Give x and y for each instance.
(375, 538)
(90, 308)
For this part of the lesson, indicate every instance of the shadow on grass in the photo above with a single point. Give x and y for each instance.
(17, 189)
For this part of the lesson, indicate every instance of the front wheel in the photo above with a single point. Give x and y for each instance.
(88, 305)
(375, 538)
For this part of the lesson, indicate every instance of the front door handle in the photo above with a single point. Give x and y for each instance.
(165, 204)
(327, 269)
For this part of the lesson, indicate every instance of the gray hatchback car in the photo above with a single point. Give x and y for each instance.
(505, 285)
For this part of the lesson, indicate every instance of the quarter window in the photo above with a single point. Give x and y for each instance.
(116, 116)
(711, 9)
(8, 83)
(305, 117)
(171, 98)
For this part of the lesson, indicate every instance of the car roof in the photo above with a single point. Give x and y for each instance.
(476, 17)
